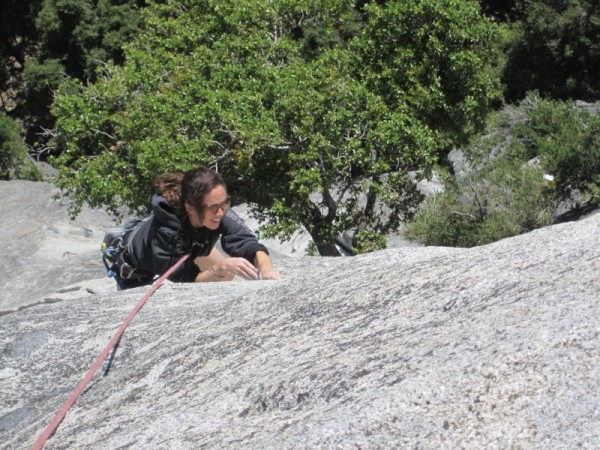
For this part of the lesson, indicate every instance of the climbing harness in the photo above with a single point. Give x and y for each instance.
(116, 251)
(51, 428)
(112, 250)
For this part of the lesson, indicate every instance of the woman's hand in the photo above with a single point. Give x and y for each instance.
(242, 268)
(265, 266)
(270, 275)
(236, 266)
(215, 267)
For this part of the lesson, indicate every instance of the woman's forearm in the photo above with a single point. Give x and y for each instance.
(263, 263)
(212, 268)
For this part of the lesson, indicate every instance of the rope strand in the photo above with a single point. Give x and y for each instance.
(52, 426)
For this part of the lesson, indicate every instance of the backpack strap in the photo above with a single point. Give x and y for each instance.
(111, 249)
(114, 258)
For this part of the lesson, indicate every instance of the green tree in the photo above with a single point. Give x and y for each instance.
(76, 39)
(315, 111)
(17, 40)
(500, 10)
(557, 50)
(86, 34)
(14, 161)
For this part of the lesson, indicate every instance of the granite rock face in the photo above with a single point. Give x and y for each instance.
(490, 347)
(46, 256)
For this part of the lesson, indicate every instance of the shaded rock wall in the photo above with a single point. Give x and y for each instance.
(491, 347)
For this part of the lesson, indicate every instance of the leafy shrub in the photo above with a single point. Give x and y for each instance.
(14, 162)
(505, 188)
(566, 140)
(368, 241)
(500, 201)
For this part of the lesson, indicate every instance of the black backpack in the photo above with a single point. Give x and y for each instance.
(114, 256)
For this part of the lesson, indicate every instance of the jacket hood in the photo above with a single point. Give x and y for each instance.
(166, 214)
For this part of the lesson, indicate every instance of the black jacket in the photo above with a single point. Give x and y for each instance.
(162, 238)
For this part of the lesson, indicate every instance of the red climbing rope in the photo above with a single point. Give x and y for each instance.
(51, 428)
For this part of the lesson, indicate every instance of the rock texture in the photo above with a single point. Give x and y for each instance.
(491, 347)
(46, 256)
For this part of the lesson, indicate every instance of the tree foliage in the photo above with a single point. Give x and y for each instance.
(17, 35)
(556, 50)
(499, 10)
(14, 161)
(76, 38)
(531, 158)
(85, 34)
(315, 111)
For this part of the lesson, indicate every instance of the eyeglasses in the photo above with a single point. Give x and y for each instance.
(215, 208)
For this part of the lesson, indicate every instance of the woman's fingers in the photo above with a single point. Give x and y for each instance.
(271, 275)
(242, 268)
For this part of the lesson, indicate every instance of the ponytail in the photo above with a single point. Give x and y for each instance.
(168, 185)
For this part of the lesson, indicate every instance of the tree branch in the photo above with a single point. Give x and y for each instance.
(104, 133)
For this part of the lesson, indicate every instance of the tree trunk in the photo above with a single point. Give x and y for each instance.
(327, 249)
(324, 243)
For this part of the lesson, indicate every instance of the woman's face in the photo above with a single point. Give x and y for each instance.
(214, 205)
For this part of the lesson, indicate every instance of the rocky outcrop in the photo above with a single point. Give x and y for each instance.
(490, 347)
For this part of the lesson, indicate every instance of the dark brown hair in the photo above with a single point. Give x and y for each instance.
(178, 188)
